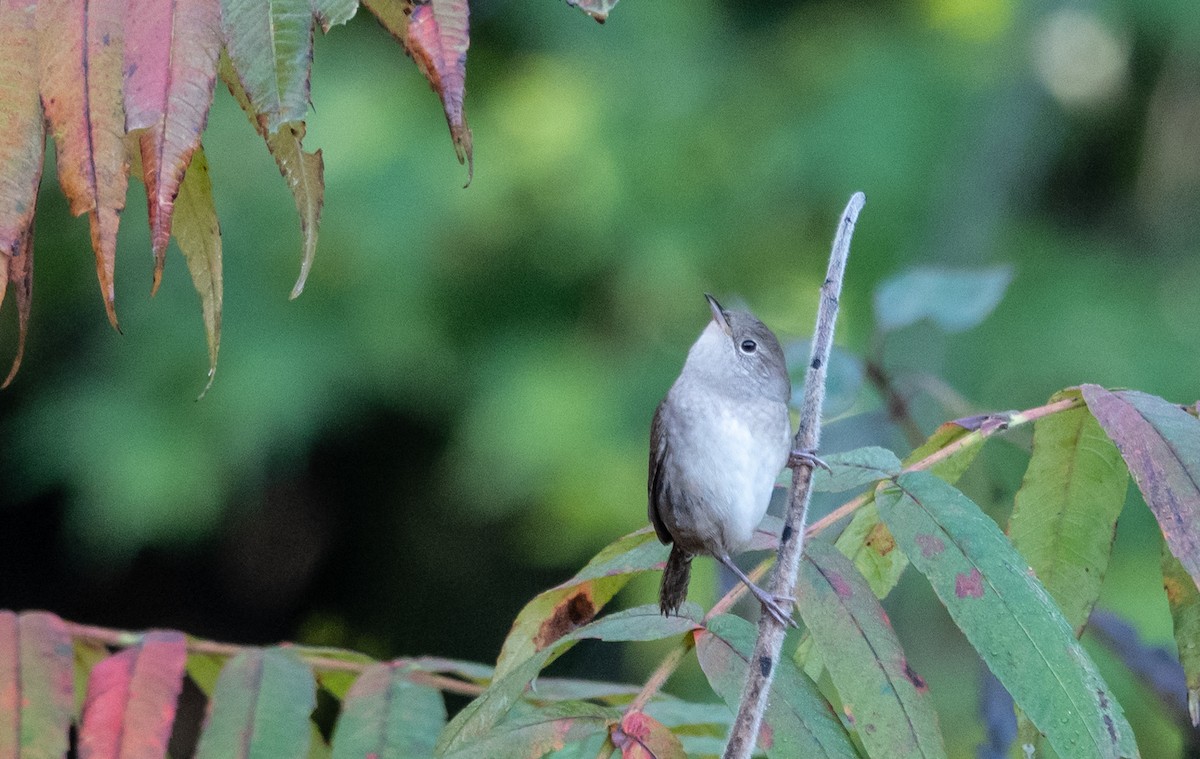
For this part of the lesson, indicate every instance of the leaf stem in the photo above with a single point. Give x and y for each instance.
(791, 544)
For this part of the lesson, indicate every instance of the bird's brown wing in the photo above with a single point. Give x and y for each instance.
(656, 483)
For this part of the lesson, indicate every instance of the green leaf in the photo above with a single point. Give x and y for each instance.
(887, 701)
(131, 698)
(37, 687)
(304, 172)
(485, 712)
(260, 708)
(1006, 615)
(386, 715)
(856, 468)
(1160, 443)
(1184, 602)
(1065, 514)
(204, 671)
(533, 733)
(270, 44)
(953, 299)
(198, 234)
(330, 13)
(561, 609)
(798, 721)
(867, 541)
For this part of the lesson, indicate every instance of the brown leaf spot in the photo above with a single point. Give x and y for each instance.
(931, 545)
(969, 584)
(839, 585)
(848, 710)
(911, 675)
(571, 612)
(880, 539)
(1175, 591)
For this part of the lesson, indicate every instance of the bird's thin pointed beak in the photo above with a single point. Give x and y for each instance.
(718, 314)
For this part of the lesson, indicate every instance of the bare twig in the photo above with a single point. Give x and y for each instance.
(761, 671)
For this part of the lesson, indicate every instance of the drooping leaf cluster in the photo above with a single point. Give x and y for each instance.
(123, 86)
(1021, 599)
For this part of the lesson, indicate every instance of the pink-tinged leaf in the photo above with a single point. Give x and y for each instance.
(304, 172)
(640, 736)
(171, 49)
(393, 16)
(80, 50)
(20, 276)
(131, 699)
(198, 233)
(597, 9)
(37, 691)
(437, 41)
(22, 129)
(1160, 443)
(534, 733)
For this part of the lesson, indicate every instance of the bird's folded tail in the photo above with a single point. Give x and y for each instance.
(673, 591)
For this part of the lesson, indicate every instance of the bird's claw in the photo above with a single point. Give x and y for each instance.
(797, 457)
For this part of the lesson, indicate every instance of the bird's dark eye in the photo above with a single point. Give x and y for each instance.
(749, 346)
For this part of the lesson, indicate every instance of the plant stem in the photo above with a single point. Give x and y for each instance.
(761, 671)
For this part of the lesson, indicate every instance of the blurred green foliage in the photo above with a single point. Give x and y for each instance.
(467, 382)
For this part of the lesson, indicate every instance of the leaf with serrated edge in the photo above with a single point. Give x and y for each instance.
(1160, 443)
(485, 712)
(537, 732)
(1006, 615)
(438, 40)
(1064, 516)
(304, 172)
(1184, 602)
(22, 129)
(798, 720)
(270, 44)
(557, 611)
(386, 714)
(170, 70)
(259, 708)
(80, 50)
(198, 233)
(131, 697)
(855, 468)
(640, 736)
(887, 700)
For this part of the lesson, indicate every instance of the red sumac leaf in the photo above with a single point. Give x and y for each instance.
(438, 40)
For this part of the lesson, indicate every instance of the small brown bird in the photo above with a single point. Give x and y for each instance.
(717, 444)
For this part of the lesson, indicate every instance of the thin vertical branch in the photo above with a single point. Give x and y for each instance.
(761, 671)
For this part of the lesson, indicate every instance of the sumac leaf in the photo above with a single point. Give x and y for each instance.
(561, 609)
(1064, 517)
(438, 40)
(80, 50)
(597, 9)
(198, 233)
(260, 708)
(270, 44)
(855, 468)
(640, 736)
(19, 275)
(1184, 602)
(388, 716)
(37, 687)
(131, 697)
(798, 720)
(533, 733)
(887, 701)
(170, 68)
(1006, 615)
(1160, 443)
